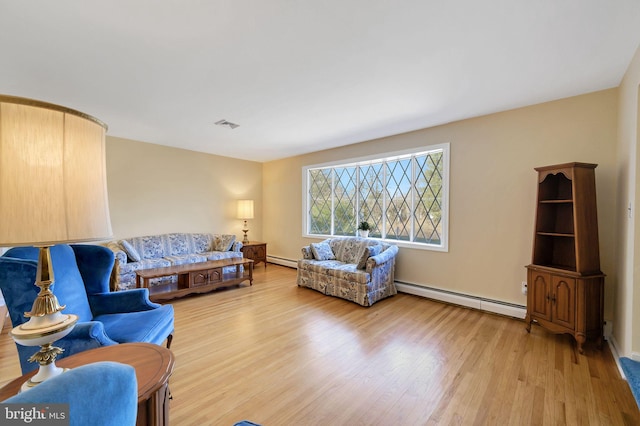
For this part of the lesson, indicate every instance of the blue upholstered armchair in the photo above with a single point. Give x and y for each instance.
(98, 394)
(81, 274)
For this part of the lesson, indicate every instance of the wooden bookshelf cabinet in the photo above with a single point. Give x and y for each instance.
(565, 285)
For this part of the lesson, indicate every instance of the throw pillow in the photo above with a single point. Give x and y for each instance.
(369, 252)
(131, 251)
(322, 251)
(223, 242)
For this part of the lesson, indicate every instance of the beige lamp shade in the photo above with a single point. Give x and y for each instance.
(245, 209)
(53, 185)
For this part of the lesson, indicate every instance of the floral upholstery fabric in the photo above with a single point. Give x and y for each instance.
(322, 251)
(350, 250)
(306, 253)
(345, 279)
(184, 259)
(157, 251)
(223, 242)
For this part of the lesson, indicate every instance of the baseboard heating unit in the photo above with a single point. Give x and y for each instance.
(495, 306)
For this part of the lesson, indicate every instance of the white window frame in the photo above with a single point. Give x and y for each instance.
(390, 156)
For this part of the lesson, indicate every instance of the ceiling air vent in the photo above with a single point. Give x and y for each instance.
(225, 123)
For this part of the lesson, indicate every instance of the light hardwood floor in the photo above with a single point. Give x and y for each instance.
(277, 354)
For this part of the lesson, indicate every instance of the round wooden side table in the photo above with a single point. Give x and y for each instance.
(153, 364)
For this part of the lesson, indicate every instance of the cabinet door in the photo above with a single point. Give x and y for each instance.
(197, 279)
(201, 278)
(539, 294)
(215, 275)
(564, 301)
(261, 252)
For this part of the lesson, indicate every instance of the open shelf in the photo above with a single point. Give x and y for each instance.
(555, 187)
(555, 251)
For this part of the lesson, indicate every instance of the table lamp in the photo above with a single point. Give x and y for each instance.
(245, 211)
(53, 189)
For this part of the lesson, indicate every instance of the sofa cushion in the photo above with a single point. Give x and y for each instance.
(186, 259)
(131, 251)
(200, 242)
(350, 249)
(144, 264)
(322, 251)
(217, 255)
(149, 247)
(337, 269)
(177, 245)
(125, 328)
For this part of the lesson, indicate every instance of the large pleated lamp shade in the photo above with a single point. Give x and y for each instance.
(53, 189)
(53, 184)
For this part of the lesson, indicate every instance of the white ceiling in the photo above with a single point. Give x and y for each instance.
(301, 76)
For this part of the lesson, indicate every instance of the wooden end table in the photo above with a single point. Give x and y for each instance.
(153, 364)
(255, 251)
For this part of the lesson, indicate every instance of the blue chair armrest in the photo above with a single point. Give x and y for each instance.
(84, 336)
(121, 302)
(102, 393)
(90, 334)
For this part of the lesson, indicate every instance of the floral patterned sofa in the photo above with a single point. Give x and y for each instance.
(357, 269)
(156, 251)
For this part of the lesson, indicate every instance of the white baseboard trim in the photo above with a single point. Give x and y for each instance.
(282, 261)
(495, 306)
(613, 346)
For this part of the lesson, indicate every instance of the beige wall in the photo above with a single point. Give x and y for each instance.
(156, 189)
(492, 195)
(627, 313)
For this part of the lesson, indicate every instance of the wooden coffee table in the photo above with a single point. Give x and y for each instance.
(195, 277)
(153, 365)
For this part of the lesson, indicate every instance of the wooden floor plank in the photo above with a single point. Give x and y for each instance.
(277, 354)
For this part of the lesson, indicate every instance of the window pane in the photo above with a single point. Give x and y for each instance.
(372, 197)
(428, 211)
(403, 197)
(344, 214)
(319, 201)
(398, 212)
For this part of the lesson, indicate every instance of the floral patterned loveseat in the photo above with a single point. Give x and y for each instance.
(156, 251)
(357, 269)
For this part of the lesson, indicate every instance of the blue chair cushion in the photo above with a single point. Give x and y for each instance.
(125, 327)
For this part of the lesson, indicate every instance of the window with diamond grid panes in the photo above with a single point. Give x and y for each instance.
(402, 196)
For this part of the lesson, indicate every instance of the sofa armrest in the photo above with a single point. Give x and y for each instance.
(134, 300)
(307, 253)
(386, 256)
(237, 246)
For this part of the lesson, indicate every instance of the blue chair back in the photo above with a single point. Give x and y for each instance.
(18, 275)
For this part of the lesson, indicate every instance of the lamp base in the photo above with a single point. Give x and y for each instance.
(45, 372)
